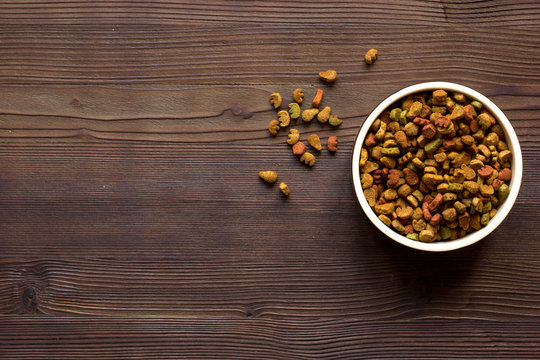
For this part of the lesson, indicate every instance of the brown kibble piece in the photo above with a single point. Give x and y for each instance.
(421, 121)
(415, 110)
(436, 202)
(410, 177)
(328, 76)
(371, 56)
(370, 140)
(443, 122)
(464, 221)
(332, 143)
(393, 178)
(298, 95)
(505, 174)
(429, 131)
(469, 112)
(273, 127)
(308, 159)
(299, 148)
(268, 176)
(485, 172)
(318, 98)
(385, 209)
(401, 139)
(314, 141)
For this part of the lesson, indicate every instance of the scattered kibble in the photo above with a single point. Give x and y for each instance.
(317, 99)
(298, 95)
(275, 100)
(268, 176)
(332, 143)
(328, 76)
(308, 158)
(293, 137)
(284, 118)
(314, 141)
(437, 167)
(371, 56)
(273, 127)
(284, 189)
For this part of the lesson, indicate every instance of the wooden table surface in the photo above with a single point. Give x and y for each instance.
(133, 224)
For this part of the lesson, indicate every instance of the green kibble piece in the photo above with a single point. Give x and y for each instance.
(460, 207)
(385, 219)
(467, 202)
(394, 114)
(486, 208)
(484, 219)
(432, 146)
(413, 236)
(391, 151)
(445, 233)
(504, 190)
(294, 110)
(396, 224)
(418, 194)
(477, 105)
(411, 166)
(403, 117)
(455, 187)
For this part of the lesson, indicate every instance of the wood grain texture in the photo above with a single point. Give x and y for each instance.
(394, 12)
(132, 221)
(284, 54)
(120, 338)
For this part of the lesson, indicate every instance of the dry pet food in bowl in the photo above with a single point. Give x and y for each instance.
(437, 166)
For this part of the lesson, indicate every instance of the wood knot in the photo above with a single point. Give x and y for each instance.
(76, 102)
(238, 110)
(30, 298)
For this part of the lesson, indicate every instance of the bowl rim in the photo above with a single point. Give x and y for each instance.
(513, 145)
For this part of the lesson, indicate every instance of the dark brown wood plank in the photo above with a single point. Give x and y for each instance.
(394, 12)
(119, 338)
(466, 284)
(286, 54)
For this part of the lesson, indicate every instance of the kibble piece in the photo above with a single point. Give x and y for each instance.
(318, 98)
(283, 118)
(366, 180)
(385, 209)
(363, 156)
(432, 146)
(294, 110)
(294, 136)
(309, 114)
(334, 120)
(268, 176)
(315, 142)
(371, 56)
(449, 214)
(332, 143)
(284, 189)
(426, 236)
(415, 110)
(324, 114)
(385, 219)
(298, 95)
(371, 196)
(273, 127)
(299, 148)
(328, 76)
(439, 97)
(308, 159)
(275, 100)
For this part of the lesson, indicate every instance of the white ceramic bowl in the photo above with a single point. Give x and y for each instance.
(511, 140)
